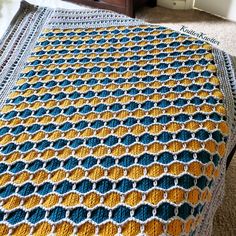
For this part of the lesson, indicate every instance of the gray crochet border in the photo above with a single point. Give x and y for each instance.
(16, 44)
(25, 28)
(226, 72)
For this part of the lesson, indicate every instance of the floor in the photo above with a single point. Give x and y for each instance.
(222, 31)
(8, 8)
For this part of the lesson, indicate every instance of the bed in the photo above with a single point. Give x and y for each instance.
(111, 126)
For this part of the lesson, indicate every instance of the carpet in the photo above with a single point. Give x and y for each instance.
(224, 221)
(110, 125)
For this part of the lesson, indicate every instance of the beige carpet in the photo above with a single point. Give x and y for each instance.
(225, 32)
(225, 219)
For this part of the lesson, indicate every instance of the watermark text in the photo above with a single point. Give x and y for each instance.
(199, 35)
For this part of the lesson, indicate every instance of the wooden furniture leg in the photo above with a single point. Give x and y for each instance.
(230, 157)
(152, 3)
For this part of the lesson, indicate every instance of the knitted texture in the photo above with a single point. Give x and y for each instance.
(112, 130)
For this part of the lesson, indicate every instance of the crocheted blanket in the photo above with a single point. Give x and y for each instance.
(110, 126)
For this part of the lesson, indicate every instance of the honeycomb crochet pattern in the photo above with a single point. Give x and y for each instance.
(110, 126)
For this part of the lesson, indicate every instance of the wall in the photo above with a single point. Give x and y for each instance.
(176, 4)
(224, 8)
